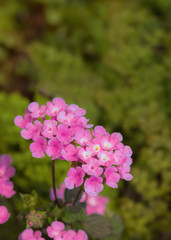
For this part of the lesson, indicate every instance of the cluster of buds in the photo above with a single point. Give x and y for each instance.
(35, 219)
(6, 186)
(62, 132)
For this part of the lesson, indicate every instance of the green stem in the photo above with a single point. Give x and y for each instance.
(53, 181)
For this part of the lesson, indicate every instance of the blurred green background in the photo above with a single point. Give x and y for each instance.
(113, 59)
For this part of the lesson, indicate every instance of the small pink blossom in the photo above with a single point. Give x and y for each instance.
(117, 135)
(124, 170)
(64, 235)
(38, 147)
(6, 188)
(55, 229)
(69, 153)
(64, 134)
(98, 131)
(29, 234)
(93, 185)
(6, 171)
(93, 168)
(21, 122)
(118, 157)
(95, 146)
(112, 178)
(108, 142)
(82, 122)
(54, 148)
(49, 128)
(54, 107)
(119, 146)
(85, 154)
(127, 151)
(4, 214)
(32, 130)
(83, 137)
(67, 118)
(36, 111)
(76, 110)
(80, 235)
(96, 204)
(75, 177)
(105, 158)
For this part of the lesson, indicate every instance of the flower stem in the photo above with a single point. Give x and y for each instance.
(53, 181)
(77, 196)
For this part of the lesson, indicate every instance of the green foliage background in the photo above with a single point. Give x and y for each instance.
(113, 58)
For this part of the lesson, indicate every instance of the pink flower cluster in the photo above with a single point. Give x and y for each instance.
(62, 132)
(29, 234)
(56, 232)
(6, 186)
(94, 204)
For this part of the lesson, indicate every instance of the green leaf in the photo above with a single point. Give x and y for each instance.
(117, 227)
(81, 205)
(70, 195)
(73, 214)
(98, 226)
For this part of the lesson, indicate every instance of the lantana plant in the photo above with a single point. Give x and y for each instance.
(96, 158)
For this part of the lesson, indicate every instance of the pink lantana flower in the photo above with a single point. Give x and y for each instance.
(105, 158)
(93, 168)
(117, 135)
(29, 234)
(80, 235)
(96, 204)
(54, 107)
(108, 142)
(55, 229)
(95, 146)
(112, 178)
(82, 122)
(85, 154)
(76, 110)
(21, 122)
(64, 134)
(118, 157)
(6, 188)
(69, 153)
(124, 170)
(49, 128)
(127, 151)
(67, 118)
(98, 131)
(93, 185)
(32, 130)
(64, 235)
(38, 147)
(83, 137)
(54, 148)
(36, 111)
(75, 177)
(6, 171)
(4, 214)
